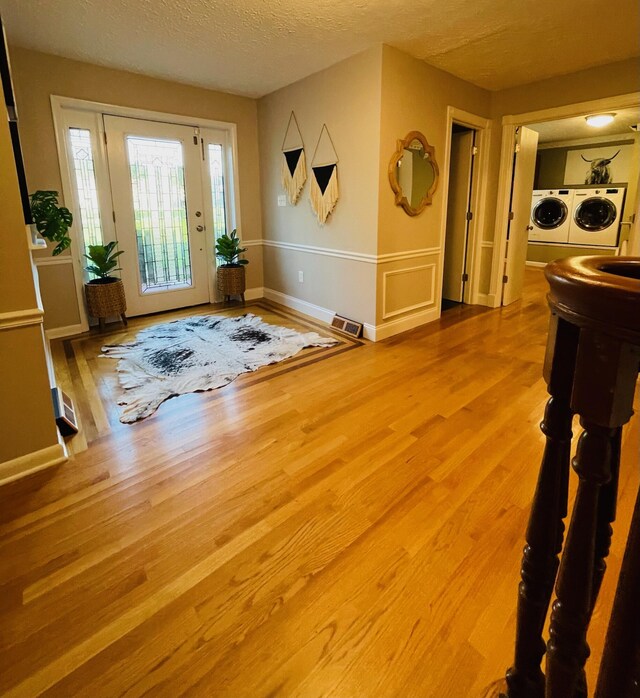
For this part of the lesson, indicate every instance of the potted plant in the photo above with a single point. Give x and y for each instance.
(104, 293)
(230, 274)
(51, 220)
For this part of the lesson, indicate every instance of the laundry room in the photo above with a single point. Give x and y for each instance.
(585, 186)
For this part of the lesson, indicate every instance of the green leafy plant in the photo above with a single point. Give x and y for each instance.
(228, 250)
(103, 262)
(51, 220)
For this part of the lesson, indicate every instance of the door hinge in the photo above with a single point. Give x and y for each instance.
(195, 140)
(505, 278)
(510, 215)
(469, 215)
(104, 135)
(465, 277)
(475, 150)
(113, 215)
(517, 148)
(202, 144)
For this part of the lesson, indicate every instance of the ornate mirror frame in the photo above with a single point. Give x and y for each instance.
(401, 199)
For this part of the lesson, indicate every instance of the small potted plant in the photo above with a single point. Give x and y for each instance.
(104, 293)
(51, 220)
(230, 274)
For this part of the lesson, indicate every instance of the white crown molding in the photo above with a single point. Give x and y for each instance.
(21, 318)
(32, 462)
(621, 138)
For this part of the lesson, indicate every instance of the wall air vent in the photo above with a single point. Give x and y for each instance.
(350, 327)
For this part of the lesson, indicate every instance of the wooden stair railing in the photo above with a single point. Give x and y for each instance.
(591, 368)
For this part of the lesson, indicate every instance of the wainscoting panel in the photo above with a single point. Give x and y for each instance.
(407, 290)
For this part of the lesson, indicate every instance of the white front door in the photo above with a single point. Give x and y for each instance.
(518, 235)
(158, 202)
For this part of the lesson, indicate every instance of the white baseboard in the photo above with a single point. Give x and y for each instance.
(371, 332)
(488, 299)
(539, 265)
(252, 294)
(67, 331)
(32, 462)
(410, 322)
(305, 307)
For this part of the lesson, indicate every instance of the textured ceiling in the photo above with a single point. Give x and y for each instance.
(576, 127)
(253, 47)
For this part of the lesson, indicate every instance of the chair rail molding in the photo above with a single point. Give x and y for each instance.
(21, 318)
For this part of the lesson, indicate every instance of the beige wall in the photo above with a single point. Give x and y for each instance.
(415, 97)
(37, 76)
(26, 413)
(367, 101)
(347, 98)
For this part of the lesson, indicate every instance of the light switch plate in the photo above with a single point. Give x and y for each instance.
(282, 200)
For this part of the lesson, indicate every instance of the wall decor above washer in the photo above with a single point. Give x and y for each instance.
(605, 164)
(294, 165)
(324, 177)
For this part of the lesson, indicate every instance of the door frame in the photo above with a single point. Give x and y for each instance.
(510, 123)
(60, 106)
(475, 239)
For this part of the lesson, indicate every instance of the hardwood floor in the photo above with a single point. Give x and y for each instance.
(346, 524)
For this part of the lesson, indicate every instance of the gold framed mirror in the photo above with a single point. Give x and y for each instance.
(413, 173)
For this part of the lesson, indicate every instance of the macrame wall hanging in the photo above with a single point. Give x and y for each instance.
(324, 177)
(294, 165)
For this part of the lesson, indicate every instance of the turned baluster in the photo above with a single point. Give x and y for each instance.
(620, 668)
(604, 382)
(595, 304)
(545, 530)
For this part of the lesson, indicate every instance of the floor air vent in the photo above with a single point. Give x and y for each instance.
(65, 414)
(350, 327)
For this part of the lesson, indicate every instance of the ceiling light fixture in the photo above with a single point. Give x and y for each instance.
(598, 120)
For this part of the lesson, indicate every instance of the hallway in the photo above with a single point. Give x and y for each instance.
(351, 527)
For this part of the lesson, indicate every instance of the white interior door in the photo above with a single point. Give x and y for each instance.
(457, 208)
(158, 202)
(517, 236)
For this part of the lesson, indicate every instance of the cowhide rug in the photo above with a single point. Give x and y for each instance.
(198, 353)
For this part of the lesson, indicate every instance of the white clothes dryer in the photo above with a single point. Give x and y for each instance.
(550, 215)
(596, 216)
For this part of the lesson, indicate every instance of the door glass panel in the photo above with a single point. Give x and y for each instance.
(86, 188)
(216, 171)
(160, 210)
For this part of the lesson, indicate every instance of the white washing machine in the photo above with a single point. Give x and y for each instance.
(550, 215)
(595, 219)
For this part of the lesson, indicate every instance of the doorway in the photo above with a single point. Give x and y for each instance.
(455, 276)
(158, 210)
(546, 169)
(463, 246)
(160, 185)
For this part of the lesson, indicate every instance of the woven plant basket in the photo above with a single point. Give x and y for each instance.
(104, 300)
(231, 281)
